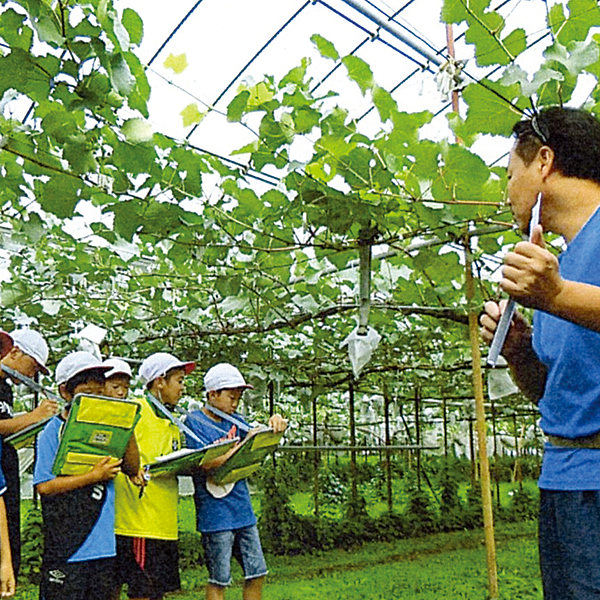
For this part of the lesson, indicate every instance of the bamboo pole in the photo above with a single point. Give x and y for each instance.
(317, 457)
(486, 490)
(481, 428)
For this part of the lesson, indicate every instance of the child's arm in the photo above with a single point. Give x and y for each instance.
(45, 409)
(219, 460)
(104, 470)
(131, 460)
(7, 576)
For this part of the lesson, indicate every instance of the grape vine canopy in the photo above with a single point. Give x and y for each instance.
(261, 274)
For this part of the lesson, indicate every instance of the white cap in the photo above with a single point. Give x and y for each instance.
(157, 365)
(32, 343)
(224, 377)
(117, 367)
(75, 363)
(6, 343)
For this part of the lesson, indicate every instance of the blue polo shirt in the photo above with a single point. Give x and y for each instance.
(570, 405)
(218, 514)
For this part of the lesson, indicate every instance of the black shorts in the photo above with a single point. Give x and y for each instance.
(149, 567)
(92, 580)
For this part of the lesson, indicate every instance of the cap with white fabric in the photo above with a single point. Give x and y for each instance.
(224, 377)
(117, 367)
(75, 363)
(158, 364)
(30, 342)
(6, 343)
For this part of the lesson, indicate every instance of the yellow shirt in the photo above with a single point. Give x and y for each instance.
(155, 514)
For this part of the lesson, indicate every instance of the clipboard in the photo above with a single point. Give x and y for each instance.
(248, 457)
(185, 461)
(96, 427)
(25, 437)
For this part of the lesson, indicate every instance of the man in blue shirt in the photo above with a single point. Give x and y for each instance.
(557, 363)
(224, 513)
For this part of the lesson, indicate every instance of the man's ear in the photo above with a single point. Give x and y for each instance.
(545, 158)
(64, 393)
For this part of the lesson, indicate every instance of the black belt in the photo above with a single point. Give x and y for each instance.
(589, 441)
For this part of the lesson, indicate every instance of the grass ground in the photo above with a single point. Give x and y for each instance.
(449, 566)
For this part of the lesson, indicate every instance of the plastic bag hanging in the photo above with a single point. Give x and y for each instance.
(363, 340)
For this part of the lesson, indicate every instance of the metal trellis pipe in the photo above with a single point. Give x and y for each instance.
(395, 31)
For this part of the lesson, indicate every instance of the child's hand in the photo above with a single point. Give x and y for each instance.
(277, 423)
(106, 468)
(7, 579)
(139, 479)
(47, 408)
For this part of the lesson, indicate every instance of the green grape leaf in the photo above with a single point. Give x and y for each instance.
(325, 47)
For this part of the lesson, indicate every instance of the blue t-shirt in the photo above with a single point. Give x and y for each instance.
(570, 405)
(218, 514)
(100, 543)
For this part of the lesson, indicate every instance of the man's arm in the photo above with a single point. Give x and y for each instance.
(104, 470)
(531, 276)
(527, 370)
(47, 408)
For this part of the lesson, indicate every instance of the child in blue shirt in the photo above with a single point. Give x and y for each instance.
(224, 514)
(78, 510)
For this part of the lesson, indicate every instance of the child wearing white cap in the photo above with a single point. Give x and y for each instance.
(25, 351)
(78, 510)
(225, 517)
(117, 378)
(146, 526)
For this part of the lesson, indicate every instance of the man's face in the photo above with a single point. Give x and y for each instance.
(523, 187)
(226, 400)
(117, 386)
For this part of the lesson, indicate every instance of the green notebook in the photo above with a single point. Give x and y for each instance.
(248, 457)
(184, 462)
(96, 427)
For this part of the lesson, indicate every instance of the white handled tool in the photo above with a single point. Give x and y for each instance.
(509, 311)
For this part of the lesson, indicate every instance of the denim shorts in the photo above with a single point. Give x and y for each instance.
(243, 544)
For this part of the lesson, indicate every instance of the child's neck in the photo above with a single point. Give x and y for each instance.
(209, 413)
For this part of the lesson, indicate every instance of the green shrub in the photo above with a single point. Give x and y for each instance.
(32, 546)
(523, 506)
(420, 515)
(191, 553)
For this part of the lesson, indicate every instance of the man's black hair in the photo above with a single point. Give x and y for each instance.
(84, 377)
(573, 134)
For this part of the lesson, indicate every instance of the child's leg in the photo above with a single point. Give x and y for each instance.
(214, 592)
(253, 588)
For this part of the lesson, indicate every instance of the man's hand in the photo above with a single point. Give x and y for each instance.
(530, 273)
(106, 468)
(519, 334)
(46, 408)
